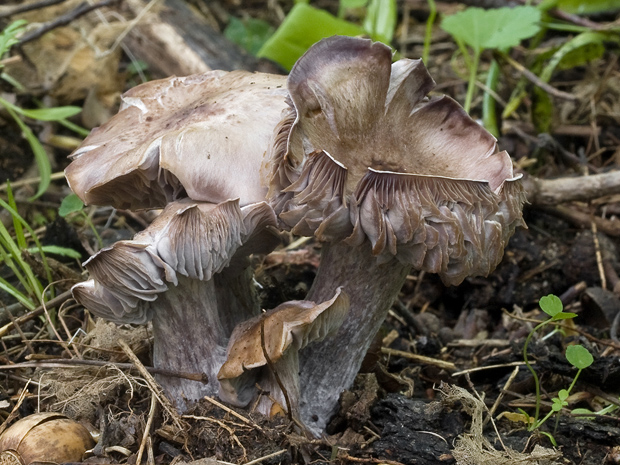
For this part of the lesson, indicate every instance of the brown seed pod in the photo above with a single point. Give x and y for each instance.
(44, 438)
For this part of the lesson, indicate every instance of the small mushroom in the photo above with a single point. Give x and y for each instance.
(44, 438)
(169, 274)
(387, 179)
(265, 349)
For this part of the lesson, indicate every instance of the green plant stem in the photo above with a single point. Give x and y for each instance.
(534, 424)
(429, 30)
(538, 424)
(92, 227)
(570, 388)
(43, 162)
(473, 71)
(489, 117)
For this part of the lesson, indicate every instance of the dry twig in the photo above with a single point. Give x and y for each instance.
(153, 385)
(420, 358)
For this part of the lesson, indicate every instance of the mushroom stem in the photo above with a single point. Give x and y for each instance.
(237, 298)
(281, 384)
(329, 367)
(188, 336)
(192, 333)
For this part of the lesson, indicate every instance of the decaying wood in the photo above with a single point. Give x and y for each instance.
(541, 192)
(176, 40)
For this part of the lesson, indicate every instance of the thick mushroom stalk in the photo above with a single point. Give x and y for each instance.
(169, 274)
(387, 179)
(264, 351)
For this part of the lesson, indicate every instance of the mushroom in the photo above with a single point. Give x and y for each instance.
(167, 274)
(194, 145)
(202, 136)
(388, 180)
(264, 351)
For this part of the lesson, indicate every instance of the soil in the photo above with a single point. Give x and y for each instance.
(398, 411)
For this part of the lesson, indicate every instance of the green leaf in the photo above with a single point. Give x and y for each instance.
(583, 411)
(495, 28)
(582, 55)
(352, 4)
(50, 114)
(579, 357)
(583, 7)
(551, 304)
(70, 204)
(249, 33)
(585, 39)
(301, 28)
(551, 438)
(8, 37)
(380, 21)
(563, 394)
(57, 250)
(557, 404)
(563, 316)
(542, 112)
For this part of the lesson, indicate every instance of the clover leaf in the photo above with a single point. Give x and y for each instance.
(498, 28)
(579, 357)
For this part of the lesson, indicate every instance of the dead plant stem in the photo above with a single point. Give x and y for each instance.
(147, 428)
(153, 385)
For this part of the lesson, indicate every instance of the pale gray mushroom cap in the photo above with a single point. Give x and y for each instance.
(364, 154)
(290, 326)
(193, 239)
(202, 136)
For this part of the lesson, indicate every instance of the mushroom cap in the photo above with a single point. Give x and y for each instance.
(193, 239)
(290, 326)
(203, 136)
(362, 153)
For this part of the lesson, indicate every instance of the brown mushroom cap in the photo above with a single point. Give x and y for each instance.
(202, 136)
(193, 239)
(364, 154)
(290, 326)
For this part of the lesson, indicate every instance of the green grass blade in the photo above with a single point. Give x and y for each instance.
(17, 226)
(25, 224)
(20, 297)
(79, 130)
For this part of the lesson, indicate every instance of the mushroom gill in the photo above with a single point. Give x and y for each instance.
(167, 274)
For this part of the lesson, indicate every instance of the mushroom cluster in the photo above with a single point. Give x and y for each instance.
(388, 180)
(348, 149)
(195, 146)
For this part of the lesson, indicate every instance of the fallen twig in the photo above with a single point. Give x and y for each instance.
(234, 414)
(63, 20)
(153, 385)
(539, 82)
(63, 362)
(59, 299)
(569, 189)
(420, 358)
(17, 9)
(491, 367)
(147, 428)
